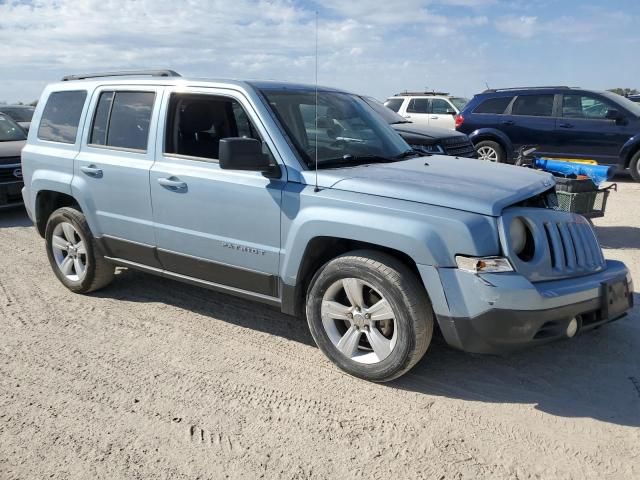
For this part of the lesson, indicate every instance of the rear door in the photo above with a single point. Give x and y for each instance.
(442, 113)
(220, 226)
(531, 121)
(112, 169)
(584, 132)
(418, 111)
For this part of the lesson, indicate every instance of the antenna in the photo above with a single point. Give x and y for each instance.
(487, 84)
(316, 189)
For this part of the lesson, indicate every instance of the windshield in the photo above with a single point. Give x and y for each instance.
(459, 102)
(389, 115)
(19, 114)
(348, 131)
(10, 131)
(624, 102)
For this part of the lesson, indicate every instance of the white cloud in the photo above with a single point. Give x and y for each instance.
(523, 26)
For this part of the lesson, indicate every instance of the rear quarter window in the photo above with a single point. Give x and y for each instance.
(61, 116)
(394, 104)
(495, 106)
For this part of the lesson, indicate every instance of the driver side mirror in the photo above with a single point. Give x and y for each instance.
(613, 114)
(239, 153)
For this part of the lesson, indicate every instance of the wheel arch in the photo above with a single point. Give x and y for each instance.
(629, 150)
(494, 135)
(47, 202)
(322, 249)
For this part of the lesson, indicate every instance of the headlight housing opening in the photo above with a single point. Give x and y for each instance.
(521, 239)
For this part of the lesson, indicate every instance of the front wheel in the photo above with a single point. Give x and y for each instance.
(73, 253)
(491, 151)
(634, 167)
(370, 315)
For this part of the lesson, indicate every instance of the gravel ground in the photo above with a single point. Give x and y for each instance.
(154, 379)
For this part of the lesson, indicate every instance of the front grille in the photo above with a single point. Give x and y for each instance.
(9, 174)
(458, 146)
(9, 160)
(573, 247)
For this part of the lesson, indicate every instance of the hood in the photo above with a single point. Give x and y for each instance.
(426, 134)
(10, 152)
(461, 183)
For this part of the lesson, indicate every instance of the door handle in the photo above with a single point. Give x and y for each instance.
(173, 184)
(566, 125)
(92, 171)
(434, 117)
(508, 122)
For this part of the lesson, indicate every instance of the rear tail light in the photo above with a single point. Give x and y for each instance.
(459, 120)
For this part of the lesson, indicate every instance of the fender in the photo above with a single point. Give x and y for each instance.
(630, 147)
(495, 135)
(429, 235)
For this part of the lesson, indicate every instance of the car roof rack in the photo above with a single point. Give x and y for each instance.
(126, 73)
(491, 90)
(420, 94)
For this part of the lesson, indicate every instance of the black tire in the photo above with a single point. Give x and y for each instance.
(501, 156)
(404, 293)
(99, 272)
(634, 166)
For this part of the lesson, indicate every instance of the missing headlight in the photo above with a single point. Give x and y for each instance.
(521, 239)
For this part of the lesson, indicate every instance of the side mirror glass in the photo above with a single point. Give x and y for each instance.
(613, 114)
(239, 153)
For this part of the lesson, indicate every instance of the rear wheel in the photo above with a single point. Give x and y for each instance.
(634, 166)
(73, 253)
(491, 151)
(370, 315)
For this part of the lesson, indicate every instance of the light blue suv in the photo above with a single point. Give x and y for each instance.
(215, 183)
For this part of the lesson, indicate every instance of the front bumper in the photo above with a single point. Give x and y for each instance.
(10, 194)
(497, 313)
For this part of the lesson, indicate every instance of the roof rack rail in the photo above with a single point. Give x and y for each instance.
(416, 94)
(489, 90)
(126, 73)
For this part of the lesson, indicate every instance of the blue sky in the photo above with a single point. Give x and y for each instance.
(372, 47)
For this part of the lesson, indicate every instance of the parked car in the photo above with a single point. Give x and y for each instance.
(634, 98)
(431, 140)
(435, 109)
(562, 122)
(19, 113)
(12, 140)
(346, 226)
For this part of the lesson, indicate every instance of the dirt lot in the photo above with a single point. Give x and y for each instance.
(154, 379)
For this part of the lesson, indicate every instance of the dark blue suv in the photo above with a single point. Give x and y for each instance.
(562, 122)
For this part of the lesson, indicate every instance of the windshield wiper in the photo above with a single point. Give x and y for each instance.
(411, 153)
(353, 160)
(400, 121)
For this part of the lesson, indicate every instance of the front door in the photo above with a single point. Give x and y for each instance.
(220, 226)
(442, 114)
(112, 169)
(585, 132)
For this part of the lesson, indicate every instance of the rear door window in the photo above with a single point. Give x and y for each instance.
(122, 120)
(418, 105)
(495, 106)
(533, 105)
(61, 116)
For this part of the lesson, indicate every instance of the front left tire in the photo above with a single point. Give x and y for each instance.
(74, 254)
(369, 313)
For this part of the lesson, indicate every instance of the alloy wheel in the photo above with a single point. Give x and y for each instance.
(487, 153)
(69, 251)
(359, 321)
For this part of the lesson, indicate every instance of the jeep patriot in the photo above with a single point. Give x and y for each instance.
(214, 183)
